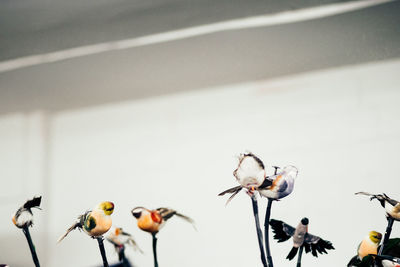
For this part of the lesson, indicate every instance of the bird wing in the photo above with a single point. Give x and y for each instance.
(281, 230)
(392, 247)
(267, 182)
(167, 213)
(109, 239)
(390, 200)
(134, 244)
(130, 241)
(382, 198)
(317, 244)
(35, 202)
(355, 261)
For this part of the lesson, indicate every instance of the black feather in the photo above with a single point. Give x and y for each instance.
(307, 247)
(278, 228)
(292, 253)
(35, 202)
(355, 261)
(231, 190)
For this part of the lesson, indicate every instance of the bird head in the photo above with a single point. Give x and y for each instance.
(107, 207)
(291, 171)
(137, 212)
(251, 160)
(117, 231)
(375, 237)
(304, 221)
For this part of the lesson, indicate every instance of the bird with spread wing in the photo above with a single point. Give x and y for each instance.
(301, 239)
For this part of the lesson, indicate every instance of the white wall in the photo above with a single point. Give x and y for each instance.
(339, 127)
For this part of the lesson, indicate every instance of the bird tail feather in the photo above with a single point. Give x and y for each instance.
(186, 218)
(230, 190)
(292, 253)
(234, 191)
(75, 225)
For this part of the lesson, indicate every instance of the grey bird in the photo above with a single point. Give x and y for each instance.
(301, 238)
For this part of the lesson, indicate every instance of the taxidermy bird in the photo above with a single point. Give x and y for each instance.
(94, 222)
(119, 239)
(24, 216)
(391, 206)
(250, 174)
(153, 220)
(301, 238)
(282, 184)
(369, 245)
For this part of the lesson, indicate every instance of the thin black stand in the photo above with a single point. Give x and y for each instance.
(25, 229)
(258, 228)
(102, 251)
(155, 249)
(387, 234)
(266, 233)
(299, 257)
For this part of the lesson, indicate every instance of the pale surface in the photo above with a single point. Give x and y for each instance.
(179, 151)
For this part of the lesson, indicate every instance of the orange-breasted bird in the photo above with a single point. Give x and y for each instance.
(369, 245)
(119, 238)
(153, 220)
(94, 222)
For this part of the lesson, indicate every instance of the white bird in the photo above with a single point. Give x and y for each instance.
(24, 216)
(250, 174)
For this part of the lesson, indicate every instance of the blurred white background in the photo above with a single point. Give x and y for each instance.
(339, 125)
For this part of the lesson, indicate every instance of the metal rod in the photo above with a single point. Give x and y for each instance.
(25, 229)
(155, 249)
(102, 251)
(258, 228)
(299, 257)
(387, 234)
(266, 233)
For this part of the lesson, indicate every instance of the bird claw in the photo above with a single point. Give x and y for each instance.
(250, 191)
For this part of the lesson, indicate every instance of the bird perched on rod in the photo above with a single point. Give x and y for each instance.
(391, 206)
(282, 184)
(94, 222)
(301, 238)
(250, 174)
(369, 245)
(153, 220)
(119, 238)
(24, 216)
